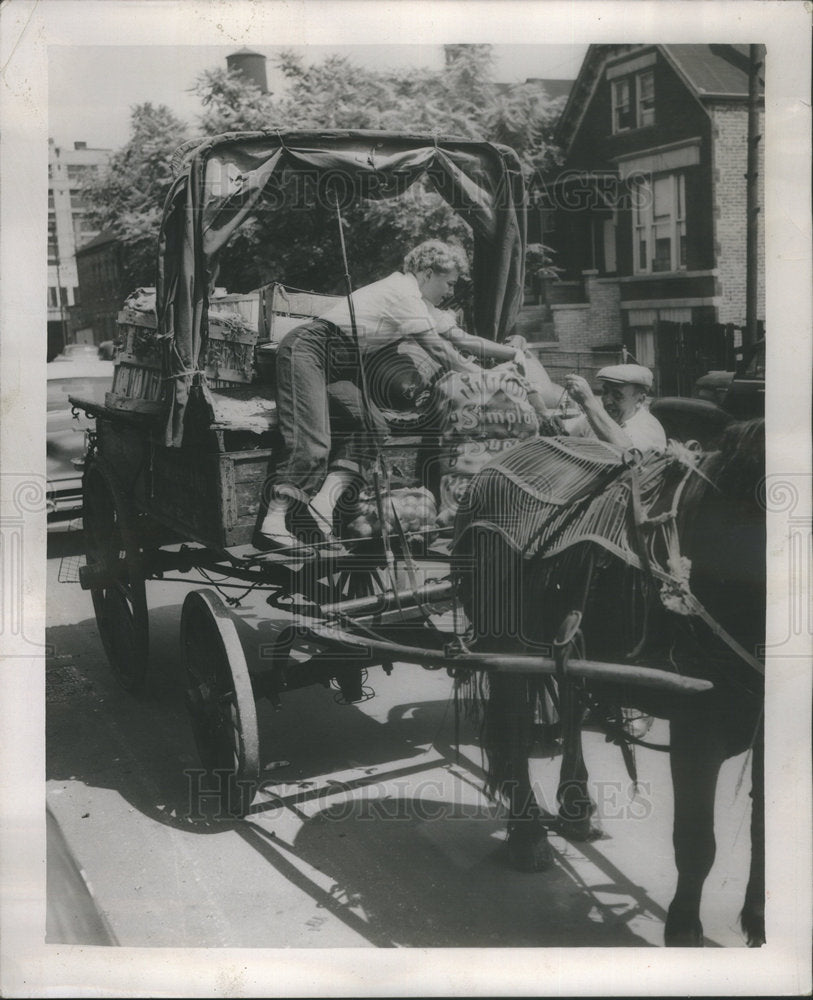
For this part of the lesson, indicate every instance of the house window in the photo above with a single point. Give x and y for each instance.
(645, 98)
(633, 99)
(53, 302)
(622, 106)
(659, 224)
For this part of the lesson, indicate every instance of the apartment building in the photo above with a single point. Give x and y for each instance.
(69, 169)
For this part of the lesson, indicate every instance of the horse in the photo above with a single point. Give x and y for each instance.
(563, 546)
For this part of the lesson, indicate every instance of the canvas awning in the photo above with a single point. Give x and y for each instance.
(224, 180)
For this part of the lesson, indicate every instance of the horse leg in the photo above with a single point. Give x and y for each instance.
(575, 805)
(752, 918)
(696, 754)
(527, 840)
(509, 733)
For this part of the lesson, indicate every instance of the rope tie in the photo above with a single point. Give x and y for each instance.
(191, 371)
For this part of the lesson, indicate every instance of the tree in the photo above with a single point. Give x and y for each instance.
(128, 197)
(302, 248)
(462, 99)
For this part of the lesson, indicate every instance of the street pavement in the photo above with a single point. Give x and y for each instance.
(371, 827)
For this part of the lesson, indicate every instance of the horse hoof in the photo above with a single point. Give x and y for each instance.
(529, 851)
(682, 932)
(753, 926)
(582, 830)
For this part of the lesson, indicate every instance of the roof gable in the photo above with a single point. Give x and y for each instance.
(708, 71)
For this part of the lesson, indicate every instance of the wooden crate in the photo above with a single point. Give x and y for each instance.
(208, 496)
(283, 308)
(199, 491)
(229, 352)
(247, 305)
(137, 387)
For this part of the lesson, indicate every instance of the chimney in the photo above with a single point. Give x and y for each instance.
(251, 65)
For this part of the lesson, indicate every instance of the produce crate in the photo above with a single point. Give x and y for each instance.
(247, 305)
(283, 308)
(229, 350)
(138, 384)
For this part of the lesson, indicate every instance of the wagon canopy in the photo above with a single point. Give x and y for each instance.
(225, 179)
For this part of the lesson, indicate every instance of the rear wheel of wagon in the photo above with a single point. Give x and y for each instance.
(114, 559)
(220, 702)
(368, 579)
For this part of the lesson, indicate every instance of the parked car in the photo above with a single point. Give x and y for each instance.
(740, 393)
(745, 396)
(720, 397)
(79, 371)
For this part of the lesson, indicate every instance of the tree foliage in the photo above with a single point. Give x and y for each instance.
(301, 248)
(128, 196)
(462, 100)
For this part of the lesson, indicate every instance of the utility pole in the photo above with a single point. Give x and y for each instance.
(752, 197)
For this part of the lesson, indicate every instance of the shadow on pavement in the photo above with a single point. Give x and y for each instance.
(142, 746)
(408, 872)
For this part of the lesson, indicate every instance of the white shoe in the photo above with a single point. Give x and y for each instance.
(274, 534)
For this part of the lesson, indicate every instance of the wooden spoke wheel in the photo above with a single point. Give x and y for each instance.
(220, 701)
(119, 596)
(347, 584)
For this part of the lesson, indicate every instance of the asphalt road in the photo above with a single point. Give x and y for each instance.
(371, 828)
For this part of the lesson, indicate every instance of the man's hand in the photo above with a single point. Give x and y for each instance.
(519, 361)
(578, 388)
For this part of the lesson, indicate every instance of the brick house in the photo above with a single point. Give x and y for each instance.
(649, 210)
(102, 289)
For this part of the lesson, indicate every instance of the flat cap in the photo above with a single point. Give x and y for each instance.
(627, 374)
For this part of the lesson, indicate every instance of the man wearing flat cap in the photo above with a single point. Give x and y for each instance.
(620, 417)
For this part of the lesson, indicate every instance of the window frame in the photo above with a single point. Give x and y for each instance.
(645, 223)
(636, 110)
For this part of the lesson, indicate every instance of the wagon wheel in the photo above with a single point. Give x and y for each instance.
(358, 581)
(220, 700)
(119, 598)
(345, 584)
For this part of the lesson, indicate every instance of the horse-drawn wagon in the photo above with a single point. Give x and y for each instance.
(174, 474)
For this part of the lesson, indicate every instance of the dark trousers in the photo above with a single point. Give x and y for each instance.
(320, 411)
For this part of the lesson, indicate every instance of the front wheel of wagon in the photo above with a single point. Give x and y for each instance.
(220, 702)
(117, 589)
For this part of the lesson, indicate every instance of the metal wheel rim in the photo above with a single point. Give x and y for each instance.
(121, 606)
(221, 703)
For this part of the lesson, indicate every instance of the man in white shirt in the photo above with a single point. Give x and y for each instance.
(620, 417)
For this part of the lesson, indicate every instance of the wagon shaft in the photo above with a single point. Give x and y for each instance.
(390, 599)
(619, 673)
